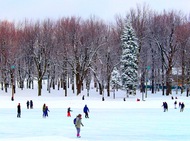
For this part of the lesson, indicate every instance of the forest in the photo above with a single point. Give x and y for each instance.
(72, 52)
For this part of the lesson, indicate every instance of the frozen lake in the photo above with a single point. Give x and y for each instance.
(110, 120)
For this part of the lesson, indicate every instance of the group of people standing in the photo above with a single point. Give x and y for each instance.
(181, 106)
(29, 104)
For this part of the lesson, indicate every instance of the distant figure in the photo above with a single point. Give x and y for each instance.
(179, 104)
(83, 97)
(165, 106)
(182, 107)
(31, 104)
(86, 111)
(18, 111)
(27, 104)
(46, 111)
(138, 99)
(103, 99)
(78, 124)
(43, 109)
(175, 103)
(69, 112)
(172, 97)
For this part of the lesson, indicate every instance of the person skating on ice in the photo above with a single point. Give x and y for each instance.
(78, 124)
(18, 111)
(86, 111)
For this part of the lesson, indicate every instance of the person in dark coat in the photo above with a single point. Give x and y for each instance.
(31, 104)
(86, 111)
(175, 105)
(69, 112)
(18, 111)
(165, 106)
(27, 104)
(182, 107)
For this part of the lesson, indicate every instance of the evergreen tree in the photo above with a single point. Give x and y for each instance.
(129, 66)
(115, 78)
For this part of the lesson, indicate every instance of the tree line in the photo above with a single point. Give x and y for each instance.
(73, 52)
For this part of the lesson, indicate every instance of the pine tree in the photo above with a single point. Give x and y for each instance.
(115, 78)
(129, 66)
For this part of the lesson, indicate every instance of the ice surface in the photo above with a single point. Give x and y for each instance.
(110, 120)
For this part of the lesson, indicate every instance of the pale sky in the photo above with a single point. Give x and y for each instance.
(18, 10)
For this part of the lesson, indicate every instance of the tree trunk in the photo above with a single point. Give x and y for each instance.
(39, 87)
(65, 87)
(168, 82)
(79, 86)
(2, 86)
(162, 55)
(101, 89)
(108, 86)
(73, 88)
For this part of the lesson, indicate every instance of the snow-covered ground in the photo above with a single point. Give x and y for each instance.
(110, 120)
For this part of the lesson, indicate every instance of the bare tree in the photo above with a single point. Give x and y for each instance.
(182, 57)
(42, 49)
(163, 34)
(9, 53)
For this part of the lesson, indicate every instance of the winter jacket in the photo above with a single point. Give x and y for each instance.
(19, 109)
(78, 122)
(85, 110)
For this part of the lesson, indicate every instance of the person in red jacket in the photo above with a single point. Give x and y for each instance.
(69, 112)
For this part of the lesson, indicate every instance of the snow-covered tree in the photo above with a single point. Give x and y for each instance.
(115, 78)
(129, 66)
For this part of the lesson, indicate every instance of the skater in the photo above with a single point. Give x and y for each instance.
(165, 106)
(179, 104)
(182, 107)
(46, 111)
(43, 109)
(27, 104)
(69, 112)
(83, 97)
(31, 104)
(175, 103)
(86, 111)
(18, 111)
(78, 124)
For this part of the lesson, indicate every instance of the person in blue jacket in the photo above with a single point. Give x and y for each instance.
(86, 111)
(46, 111)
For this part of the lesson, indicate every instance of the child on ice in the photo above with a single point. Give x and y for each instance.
(69, 112)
